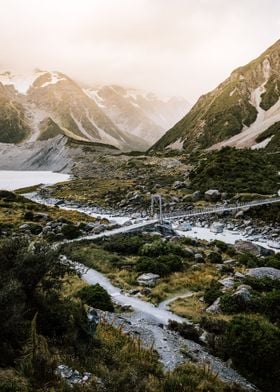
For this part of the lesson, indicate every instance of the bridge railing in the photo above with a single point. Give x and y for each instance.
(220, 208)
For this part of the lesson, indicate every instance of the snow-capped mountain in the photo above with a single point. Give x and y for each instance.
(46, 104)
(243, 111)
(138, 112)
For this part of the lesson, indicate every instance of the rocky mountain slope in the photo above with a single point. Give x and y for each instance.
(57, 154)
(236, 113)
(47, 104)
(138, 112)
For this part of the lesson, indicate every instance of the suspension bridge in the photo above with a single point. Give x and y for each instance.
(158, 216)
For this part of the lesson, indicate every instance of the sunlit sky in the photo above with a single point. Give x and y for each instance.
(172, 47)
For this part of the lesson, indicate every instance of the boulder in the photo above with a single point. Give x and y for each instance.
(243, 294)
(244, 286)
(196, 195)
(227, 282)
(217, 227)
(24, 227)
(179, 185)
(239, 275)
(254, 249)
(224, 196)
(215, 307)
(264, 272)
(71, 376)
(212, 195)
(198, 257)
(148, 279)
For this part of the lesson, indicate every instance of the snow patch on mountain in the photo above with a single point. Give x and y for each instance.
(21, 83)
(178, 145)
(55, 78)
(93, 94)
(264, 120)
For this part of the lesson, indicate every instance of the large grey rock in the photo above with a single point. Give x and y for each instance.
(264, 272)
(148, 279)
(254, 249)
(212, 195)
(217, 227)
(243, 294)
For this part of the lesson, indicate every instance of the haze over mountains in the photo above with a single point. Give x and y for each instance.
(47, 104)
(243, 111)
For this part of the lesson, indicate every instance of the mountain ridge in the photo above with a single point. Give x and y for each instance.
(47, 104)
(247, 96)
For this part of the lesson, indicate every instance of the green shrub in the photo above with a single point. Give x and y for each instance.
(254, 347)
(233, 170)
(124, 244)
(187, 331)
(29, 216)
(221, 245)
(97, 297)
(234, 304)
(163, 265)
(214, 258)
(212, 292)
(262, 284)
(268, 305)
(216, 326)
(249, 260)
(70, 231)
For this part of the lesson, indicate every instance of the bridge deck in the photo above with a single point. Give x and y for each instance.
(177, 215)
(223, 208)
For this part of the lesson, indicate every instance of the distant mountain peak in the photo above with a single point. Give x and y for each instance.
(44, 104)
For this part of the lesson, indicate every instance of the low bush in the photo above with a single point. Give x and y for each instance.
(124, 244)
(262, 284)
(212, 292)
(254, 347)
(232, 304)
(191, 378)
(214, 258)
(249, 260)
(70, 231)
(187, 331)
(161, 248)
(97, 297)
(221, 245)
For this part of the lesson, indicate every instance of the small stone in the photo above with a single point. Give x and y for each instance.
(227, 282)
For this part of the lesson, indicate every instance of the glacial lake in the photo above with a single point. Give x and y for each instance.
(12, 180)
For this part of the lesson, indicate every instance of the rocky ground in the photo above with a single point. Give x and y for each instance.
(172, 348)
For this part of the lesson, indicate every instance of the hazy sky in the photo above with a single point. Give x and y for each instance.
(182, 47)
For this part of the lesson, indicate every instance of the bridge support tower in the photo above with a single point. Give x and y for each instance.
(156, 200)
